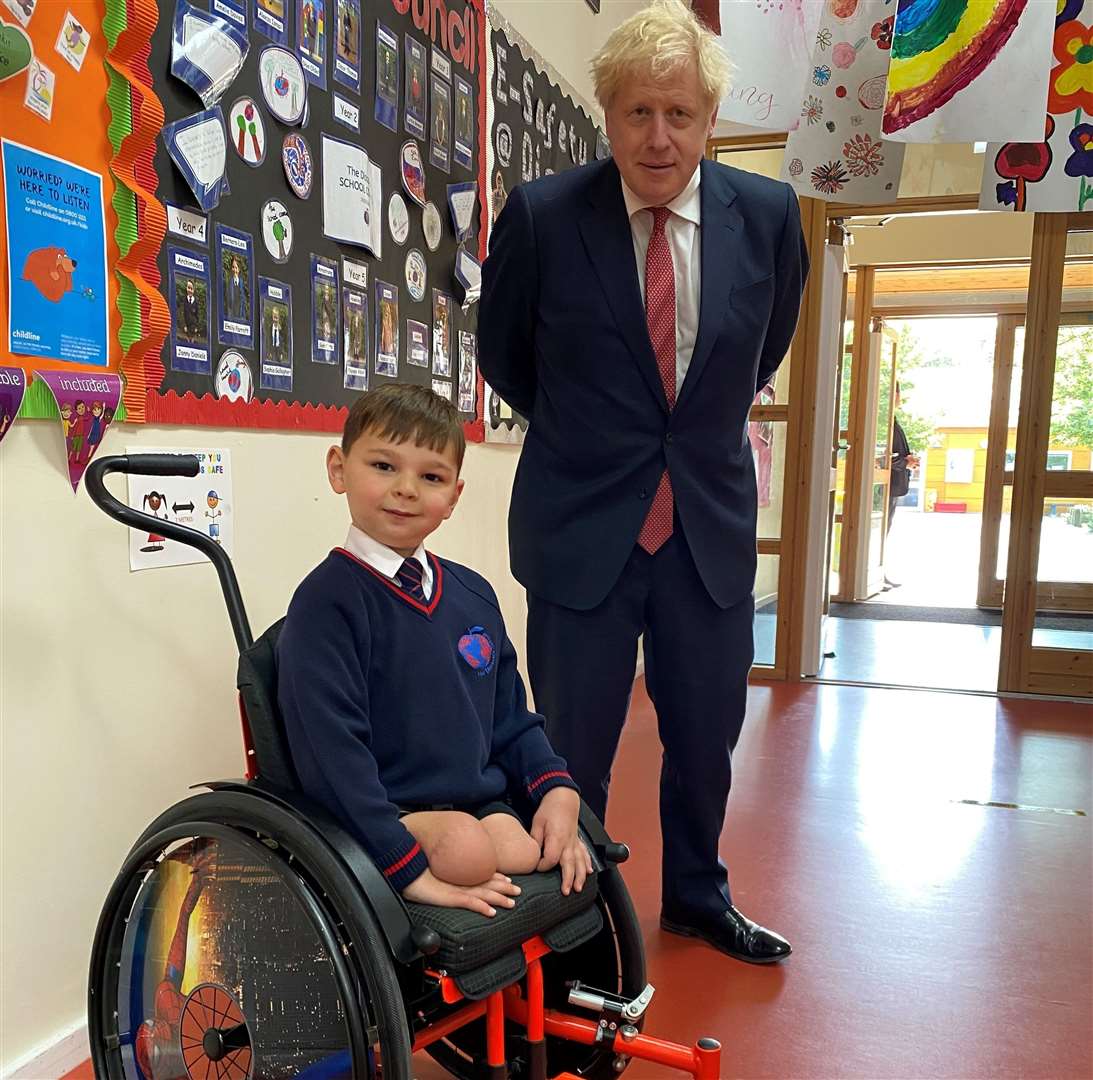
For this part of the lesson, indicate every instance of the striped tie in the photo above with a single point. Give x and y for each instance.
(660, 313)
(409, 577)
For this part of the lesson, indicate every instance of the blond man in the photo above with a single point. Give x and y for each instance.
(630, 309)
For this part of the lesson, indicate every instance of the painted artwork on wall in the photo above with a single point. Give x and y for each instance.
(966, 70)
(1055, 174)
(837, 152)
(770, 44)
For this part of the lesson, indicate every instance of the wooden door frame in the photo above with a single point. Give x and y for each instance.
(1025, 668)
(860, 359)
(887, 337)
(989, 587)
(794, 547)
(1058, 596)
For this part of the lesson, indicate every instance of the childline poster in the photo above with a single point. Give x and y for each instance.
(56, 234)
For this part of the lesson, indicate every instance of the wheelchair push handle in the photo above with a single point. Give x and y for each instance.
(169, 465)
(152, 464)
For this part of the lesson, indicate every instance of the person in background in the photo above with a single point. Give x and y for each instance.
(903, 461)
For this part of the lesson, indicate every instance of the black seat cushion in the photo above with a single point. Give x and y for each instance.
(484, 954)
(469, 940)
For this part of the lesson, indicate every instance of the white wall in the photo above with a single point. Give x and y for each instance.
(117, 689)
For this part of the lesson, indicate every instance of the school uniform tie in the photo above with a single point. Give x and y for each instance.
(410, 578)
(660, 314)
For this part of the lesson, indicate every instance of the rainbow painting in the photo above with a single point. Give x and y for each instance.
(962, 68)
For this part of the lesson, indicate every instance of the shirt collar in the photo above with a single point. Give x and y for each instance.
(687, 204)
(382, 558)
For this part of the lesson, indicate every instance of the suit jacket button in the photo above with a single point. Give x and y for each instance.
(668, 437)
(643, 494)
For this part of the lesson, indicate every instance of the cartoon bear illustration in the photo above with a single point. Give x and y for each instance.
(49, 270)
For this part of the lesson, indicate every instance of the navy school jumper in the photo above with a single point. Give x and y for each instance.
(389, 702)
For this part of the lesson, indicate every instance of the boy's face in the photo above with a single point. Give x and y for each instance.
(398, 493)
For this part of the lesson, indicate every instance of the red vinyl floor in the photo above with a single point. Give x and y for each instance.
(934, 934)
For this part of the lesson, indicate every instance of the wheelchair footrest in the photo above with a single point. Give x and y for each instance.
(484, 955)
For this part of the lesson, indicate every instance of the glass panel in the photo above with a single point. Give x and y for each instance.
(940, 169)
(876, 524)
(1071, 434)
(1066, 540)
(1011, 451)
(764, 162)
(766, 609)
(848, 367)
(1063, 630)
(884, 402)
(768, 450)
(1079, 241)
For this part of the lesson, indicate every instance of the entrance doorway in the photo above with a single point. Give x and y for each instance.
(917, 581)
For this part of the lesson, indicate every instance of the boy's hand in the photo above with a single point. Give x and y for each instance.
(554, 829)
(485, 898)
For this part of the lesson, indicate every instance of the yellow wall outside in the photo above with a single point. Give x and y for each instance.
(963, 438)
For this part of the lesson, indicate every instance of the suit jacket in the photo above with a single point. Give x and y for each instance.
(234, 290)
(563, 338)
(189, 323)
(900, 479)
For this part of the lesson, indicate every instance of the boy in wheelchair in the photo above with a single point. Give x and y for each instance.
(405, 713)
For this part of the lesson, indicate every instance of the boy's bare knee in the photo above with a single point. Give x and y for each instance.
(520, 856)
(517, 852)
(462, 852)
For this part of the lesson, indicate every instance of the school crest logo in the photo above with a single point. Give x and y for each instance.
(476, 648)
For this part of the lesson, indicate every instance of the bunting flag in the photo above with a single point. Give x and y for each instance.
(708, 12)
(87, 404)
(13, 384)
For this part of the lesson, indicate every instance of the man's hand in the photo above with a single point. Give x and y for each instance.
(485, 898)
(554, 829)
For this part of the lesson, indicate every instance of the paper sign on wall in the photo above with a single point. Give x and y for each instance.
(203, 502)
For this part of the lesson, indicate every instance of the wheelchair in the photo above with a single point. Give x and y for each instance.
(247, 936)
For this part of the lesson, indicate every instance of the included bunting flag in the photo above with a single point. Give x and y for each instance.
(87, 404)
(837, 152)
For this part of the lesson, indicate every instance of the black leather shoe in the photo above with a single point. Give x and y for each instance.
(732, 933)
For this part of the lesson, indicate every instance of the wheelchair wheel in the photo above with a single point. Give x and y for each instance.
(232, 946)
(614, 960)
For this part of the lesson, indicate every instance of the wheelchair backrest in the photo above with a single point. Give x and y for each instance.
(257, 682)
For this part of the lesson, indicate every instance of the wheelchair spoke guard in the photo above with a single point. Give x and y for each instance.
(228, 970)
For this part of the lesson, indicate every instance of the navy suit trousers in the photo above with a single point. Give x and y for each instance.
(697, 658)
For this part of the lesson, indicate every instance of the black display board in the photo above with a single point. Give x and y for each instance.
(536, 129)
(455, 30)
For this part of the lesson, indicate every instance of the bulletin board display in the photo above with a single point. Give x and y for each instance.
(290, 291)
(56, 99)
(538, 125)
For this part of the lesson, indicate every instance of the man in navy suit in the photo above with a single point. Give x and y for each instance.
(630, 309)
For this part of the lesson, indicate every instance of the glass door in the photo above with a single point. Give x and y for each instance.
(1047, 613)
(882, 460)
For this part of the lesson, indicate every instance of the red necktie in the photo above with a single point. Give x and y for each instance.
(660, 314)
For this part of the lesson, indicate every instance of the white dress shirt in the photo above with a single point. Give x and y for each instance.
(386, 560)
(685, 244)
